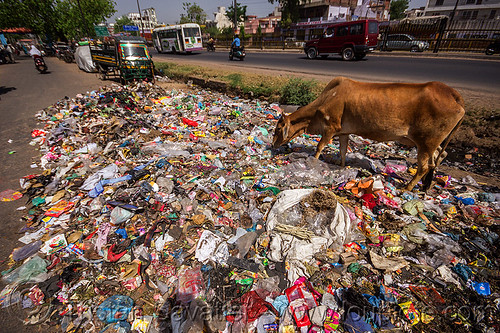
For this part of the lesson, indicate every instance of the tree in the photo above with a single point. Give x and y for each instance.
(289, 11)
(120, 22)
(78, 17)
(398, 8)
(40, 17)
(194, 13)
(212, 31)
(61, 18)
(241, 13)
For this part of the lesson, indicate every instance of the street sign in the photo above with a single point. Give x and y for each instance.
(130, 28)
(101, 31)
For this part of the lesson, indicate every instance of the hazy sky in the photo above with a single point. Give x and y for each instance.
(169, 11)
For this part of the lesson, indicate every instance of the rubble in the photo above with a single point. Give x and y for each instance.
(167, 211)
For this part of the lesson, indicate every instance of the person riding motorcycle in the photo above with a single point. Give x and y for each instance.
(211, 44)
(236, 42)
(235, 45)
(34, 52)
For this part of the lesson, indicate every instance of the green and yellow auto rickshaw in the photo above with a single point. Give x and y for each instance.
(123, 57)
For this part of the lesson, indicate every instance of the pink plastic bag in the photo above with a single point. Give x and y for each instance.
(190, 285)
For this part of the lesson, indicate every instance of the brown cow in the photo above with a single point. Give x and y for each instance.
(415, 114)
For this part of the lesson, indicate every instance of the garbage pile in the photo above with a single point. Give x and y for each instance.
(167, 211)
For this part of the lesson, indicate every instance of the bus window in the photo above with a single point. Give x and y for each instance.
(192, 32)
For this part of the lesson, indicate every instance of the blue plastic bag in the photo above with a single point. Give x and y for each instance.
(114, 309)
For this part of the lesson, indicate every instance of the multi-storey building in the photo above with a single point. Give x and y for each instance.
(464, 9)
(149, 20)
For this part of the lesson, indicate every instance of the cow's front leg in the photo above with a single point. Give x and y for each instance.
(323, 142)
(344, 143)
(423, 159)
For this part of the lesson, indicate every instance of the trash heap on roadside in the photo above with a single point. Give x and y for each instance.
(167, 211)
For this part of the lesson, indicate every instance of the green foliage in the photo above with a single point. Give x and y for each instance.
(120, 22)
(241, 13)
(298, 92)
(59, 18)
(243, 36)
(398, 8)
(194, 14)
(235, 80)
(77, 18)
(212, 31)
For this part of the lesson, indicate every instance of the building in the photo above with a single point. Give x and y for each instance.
(465, 9)
(316, 15)
(267, 24)
(415, 12)
(221, 21)
(149, 20)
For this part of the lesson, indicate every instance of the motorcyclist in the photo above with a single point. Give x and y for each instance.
(236, 44)
(34, 52)
(211, 44)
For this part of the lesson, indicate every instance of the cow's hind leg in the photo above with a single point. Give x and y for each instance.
(344, 142)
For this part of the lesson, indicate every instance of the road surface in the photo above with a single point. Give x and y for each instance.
(23, 92)
(476, 74)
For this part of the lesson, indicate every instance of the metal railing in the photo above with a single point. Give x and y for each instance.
(443, 35)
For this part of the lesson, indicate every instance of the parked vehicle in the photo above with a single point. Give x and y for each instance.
(349, 39)
(40, 64)
(237, 52)
(61, 49)
(403, 42)
(493, 47)
(124, 57)
(178, 38)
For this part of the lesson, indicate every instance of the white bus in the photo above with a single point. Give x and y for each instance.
(178, 38)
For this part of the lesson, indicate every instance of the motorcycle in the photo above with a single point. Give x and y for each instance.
(237, 52)
(68, 56)
(40, 64)
(493, 48)
(210, 47)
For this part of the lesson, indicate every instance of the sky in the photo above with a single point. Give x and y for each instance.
(169, 11)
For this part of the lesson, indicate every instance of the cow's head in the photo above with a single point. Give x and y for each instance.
(281, 131)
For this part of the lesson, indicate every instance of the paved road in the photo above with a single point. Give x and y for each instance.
(23, 91)
(475, 74)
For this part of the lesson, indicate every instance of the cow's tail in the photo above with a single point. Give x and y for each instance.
(430, 174)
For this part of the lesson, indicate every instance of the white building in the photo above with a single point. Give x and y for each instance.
(221, 20)
(465, 9)
(149, 20)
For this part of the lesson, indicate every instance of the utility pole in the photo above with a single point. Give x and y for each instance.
(452, 15)
(140, 17)
(235, 18)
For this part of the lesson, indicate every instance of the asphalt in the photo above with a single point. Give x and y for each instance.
(425, 54)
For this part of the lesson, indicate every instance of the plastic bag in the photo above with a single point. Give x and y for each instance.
(120, 215)
(190, 285)
(28, 271)
(114, 309)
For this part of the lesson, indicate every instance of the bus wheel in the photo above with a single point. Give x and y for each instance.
(174, 51)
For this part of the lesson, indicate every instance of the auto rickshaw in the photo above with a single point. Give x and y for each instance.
(123, 57)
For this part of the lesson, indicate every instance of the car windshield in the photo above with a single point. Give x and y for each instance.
(131, 52)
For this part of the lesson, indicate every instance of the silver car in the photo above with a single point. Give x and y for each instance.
(404, 42)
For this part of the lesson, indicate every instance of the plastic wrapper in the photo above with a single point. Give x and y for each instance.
(32, 270)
